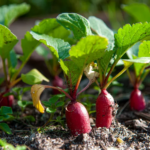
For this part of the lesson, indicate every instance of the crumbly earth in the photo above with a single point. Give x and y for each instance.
(130, 131)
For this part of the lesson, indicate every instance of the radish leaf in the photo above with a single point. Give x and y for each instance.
(129, 35)
(59, 47)
(7, 41)
(87, 50)
(102, 30)
(33, 77)
(133, 10)
(11, 12)
(5, 127)
(71, 70)
(104, 61)
(28, 45)
(52, 28)
(79, 25)
(144, 51)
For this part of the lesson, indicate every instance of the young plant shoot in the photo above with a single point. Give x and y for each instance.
(118, 45)
(9, 57)
(141, 70)
(73, 61)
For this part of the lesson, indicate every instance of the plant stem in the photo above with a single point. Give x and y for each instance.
(60, 89)
(130, 78)
(141, 71)
(20, 68)
(14, 82)
(121, 72)
(145, 74)
(69, 84)
(100, 74)
(4, 68)
(85, 88)
(74, 95)
(49, 120)
(109, 73)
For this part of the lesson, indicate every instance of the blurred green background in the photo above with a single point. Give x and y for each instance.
(42, 7)
(111, 8)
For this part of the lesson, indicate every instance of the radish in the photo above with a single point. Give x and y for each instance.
(137, 101)
(77, 118)
(57, 82)
(104, 109)
(6, 101)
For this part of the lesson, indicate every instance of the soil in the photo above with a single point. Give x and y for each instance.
(129, 131)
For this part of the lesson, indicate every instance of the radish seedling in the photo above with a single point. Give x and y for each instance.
(73, 60)
(137, 101)
(118, 45)
(9, 57)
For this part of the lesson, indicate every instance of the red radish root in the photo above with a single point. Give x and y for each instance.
(77, 118)
(6, 101)
(137, 101)
(104, 109)
(57, 82)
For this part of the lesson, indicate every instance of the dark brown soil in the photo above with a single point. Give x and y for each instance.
(131, 130)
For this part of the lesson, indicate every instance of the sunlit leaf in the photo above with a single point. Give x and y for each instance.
(33, 77)
(102, 30)
(7, 41)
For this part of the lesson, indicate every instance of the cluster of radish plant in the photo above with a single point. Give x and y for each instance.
(137, 101)
(139, 72)
(95, 52)
(9, 57)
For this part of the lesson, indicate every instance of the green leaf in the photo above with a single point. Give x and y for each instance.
(46, 103)
(25, 89)
(11, 12)
(142, 60)
(4, 110)
(28, 45)
(139, 11)
(71, 70)
(21, 147)
(79, 25)
(7, 41)
(102, 30)
(51, 110)
(133, 50)
(59, 104)
(24, 104)
(42, 51)
(55, 98)
(59, 48)
(6, 117)
(144, 51)
(129, 35)
(5, 128)
(88, 49)
(33, 77)
(52, 28)
(104, 61)
(13, 59)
